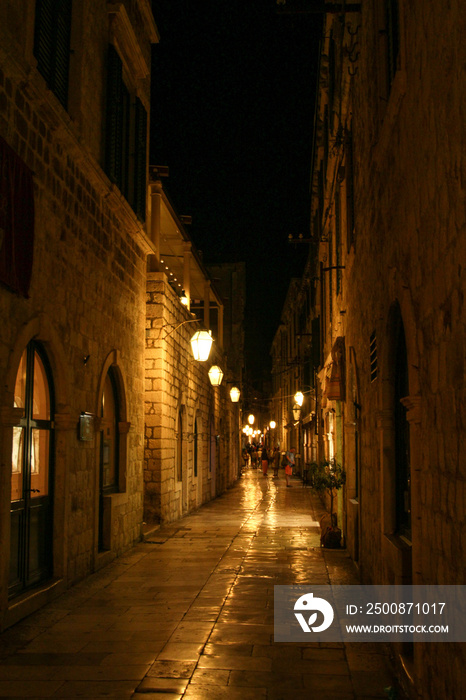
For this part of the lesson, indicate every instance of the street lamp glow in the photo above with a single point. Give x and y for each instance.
(273, 425)
(251, 419)
(201, 343)
(235, 394)
(299, 398)
(215, 375)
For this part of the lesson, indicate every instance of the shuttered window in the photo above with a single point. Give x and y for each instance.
(338, 237)
(113, 151)
(52, 44)
(349, 191)
(326, 139)
(320, 196)
(393, 38)
(316, 348)
(126, 137)
(140, 155)
(331, 79)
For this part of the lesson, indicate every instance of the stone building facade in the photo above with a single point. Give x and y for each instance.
(386, 276)
(192, 427)
(79, 253)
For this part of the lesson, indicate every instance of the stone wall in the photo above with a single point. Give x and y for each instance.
(410, 250)
(86, 300)
(177, 384)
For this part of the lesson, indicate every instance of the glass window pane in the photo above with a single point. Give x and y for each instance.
(41, 396)
(40, 463)
(17, 464)
(20, 385)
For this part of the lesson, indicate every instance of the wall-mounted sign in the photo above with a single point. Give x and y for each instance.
(86, 427)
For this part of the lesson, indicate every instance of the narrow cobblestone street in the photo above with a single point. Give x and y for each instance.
(189, 613)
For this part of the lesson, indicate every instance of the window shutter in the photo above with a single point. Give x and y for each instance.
(330, 275)
(331, 79)
(315, 330)
(125, 142)
(349, 192)
(43, 38)
(338, 237)
(320, 196)
(393, 36)
(140, 175)
(62, 50)
(52, 44)
(326, 139)
(114, 121)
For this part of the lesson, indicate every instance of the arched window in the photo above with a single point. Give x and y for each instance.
(109, 445)
(31, 473)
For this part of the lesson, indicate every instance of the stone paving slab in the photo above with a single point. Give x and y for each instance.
(189, 614)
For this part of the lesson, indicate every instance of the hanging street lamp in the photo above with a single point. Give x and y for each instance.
(251, 419)
(272, 425)
(201, 343)
(299, 398)
(215, 375)
(296, 411)
(235, 394)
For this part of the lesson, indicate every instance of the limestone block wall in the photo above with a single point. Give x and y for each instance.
(86, 300)
(410, 249)
(177, 389)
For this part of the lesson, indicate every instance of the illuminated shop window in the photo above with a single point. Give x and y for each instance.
(31, 473)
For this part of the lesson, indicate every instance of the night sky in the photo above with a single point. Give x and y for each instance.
(232, 116)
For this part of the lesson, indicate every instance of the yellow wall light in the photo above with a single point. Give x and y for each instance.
(201, 343)
(215, 375)
(235, 394)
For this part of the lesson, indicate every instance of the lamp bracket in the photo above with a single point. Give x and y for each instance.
(174, 328)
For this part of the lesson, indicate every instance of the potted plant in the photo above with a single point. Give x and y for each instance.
(328, 477)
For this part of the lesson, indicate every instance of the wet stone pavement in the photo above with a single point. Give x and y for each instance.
(189, 614)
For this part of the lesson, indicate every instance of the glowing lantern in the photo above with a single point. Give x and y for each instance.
(215, 375)
(201, 343)
(235, 394)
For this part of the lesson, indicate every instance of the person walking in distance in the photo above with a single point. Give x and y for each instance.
(289, 467)
(265, 460)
